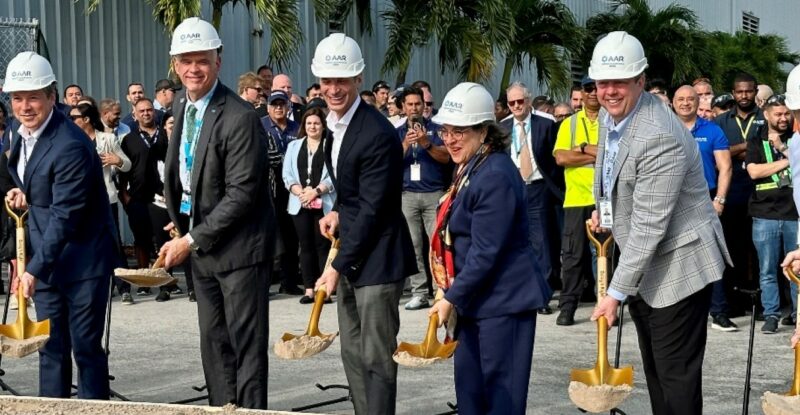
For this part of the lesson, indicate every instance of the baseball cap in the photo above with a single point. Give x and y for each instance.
(586, 81)
(316, 103)
(166, 84)
(722, 100)
(277, 95)
(379, 85)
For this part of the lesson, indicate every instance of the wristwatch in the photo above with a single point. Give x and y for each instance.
(583, 147)
(720, 200)
(192, 244)
(318, 190)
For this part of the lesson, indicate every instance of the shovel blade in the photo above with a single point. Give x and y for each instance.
(429, 351)
(595, 377)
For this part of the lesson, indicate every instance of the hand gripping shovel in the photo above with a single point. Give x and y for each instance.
(430, 350)
(312, 342)
(604, 387)
(788, 403)
(24, 336)
(149, 277)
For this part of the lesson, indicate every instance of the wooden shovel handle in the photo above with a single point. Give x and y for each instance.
(161, 258)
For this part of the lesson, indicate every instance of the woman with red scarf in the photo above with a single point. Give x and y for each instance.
(482, 258)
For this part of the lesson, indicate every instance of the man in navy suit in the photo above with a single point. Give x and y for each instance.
(365, 159)
(532, 142)
(72, 235)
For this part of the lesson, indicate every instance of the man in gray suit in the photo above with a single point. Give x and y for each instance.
(652, 194)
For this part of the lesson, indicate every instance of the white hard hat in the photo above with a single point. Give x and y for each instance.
(337, 56)
(617, 56)
(466, 104)
(194, 35)
(793, 89)
(28, 71)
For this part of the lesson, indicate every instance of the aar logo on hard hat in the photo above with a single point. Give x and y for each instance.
(21, 74)
(453, 106)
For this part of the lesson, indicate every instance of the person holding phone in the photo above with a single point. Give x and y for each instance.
(311, 195)
(425, 162)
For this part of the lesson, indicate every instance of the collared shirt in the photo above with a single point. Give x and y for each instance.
(280, 138)
(516, 147)
(432, 172)
(776, 202)
(709, 138)
(338, 127)
(615, 131)
(738, 131)
(29, 139)
(201, 105)
(579, 179)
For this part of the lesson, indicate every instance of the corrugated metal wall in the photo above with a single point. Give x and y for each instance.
(121, 43)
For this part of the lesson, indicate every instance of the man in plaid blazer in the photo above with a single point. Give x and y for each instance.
(671, 243)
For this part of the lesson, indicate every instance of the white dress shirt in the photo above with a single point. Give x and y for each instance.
(338, 127)
(29, 139)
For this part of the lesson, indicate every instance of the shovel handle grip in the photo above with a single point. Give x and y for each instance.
(161, 258)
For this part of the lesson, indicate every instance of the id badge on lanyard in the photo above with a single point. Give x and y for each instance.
(606, 213)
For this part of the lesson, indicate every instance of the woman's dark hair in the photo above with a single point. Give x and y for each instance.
(497, 138)
(309, 112)
(4, 110)
(167, 115)
(90, 111)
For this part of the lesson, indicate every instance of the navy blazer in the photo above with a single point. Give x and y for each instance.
(375, 242)
(543, 134)
(72, 233)
(496, 273)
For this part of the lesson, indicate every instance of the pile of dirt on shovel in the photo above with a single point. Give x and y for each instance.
(21, 347)
(775, 404)
(49, 406)
(600, 398)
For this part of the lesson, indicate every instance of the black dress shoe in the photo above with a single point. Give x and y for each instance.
(163, 296)
(306, 300)
(192, 296)
(566, 317)
(546, 310)
(291, 290)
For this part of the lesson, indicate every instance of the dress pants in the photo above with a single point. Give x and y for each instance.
(313, 246)
(122, 285)
(232, 309)
(369, 320)
(673, 341)
(420, 212)
(540, 223)
(493, 363)
(289, 259)
(77, 314)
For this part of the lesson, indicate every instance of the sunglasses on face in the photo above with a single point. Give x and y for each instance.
(429, 103)
(75, 117)
(589, 88)
(516, 102)
(776, 99)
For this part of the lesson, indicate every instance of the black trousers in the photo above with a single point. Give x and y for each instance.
(576, 257)
(290, 261)
(122, 285)
(313, 246)
(673, 342)
(159, 218)
(737, 226)
(232, 309)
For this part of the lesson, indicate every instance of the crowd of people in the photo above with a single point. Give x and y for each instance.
(481, 200)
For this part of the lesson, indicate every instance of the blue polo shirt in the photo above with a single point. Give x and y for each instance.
(281, 137)
(432, 172)
(710, 138)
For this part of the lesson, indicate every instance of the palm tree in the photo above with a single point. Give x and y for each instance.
(676, 48)
(280, 15)
(760, 55)
(335, 12)
(468, 33)
(547, 36)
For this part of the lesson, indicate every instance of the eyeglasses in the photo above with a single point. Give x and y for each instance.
(257, 88)
(516, 102)
(75, 117)
(776, 99)
(429, 103)
(455, 134)
(589, 88)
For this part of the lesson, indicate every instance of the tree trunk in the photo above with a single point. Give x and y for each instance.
(401, 77)
(507, 68)
(216, 15)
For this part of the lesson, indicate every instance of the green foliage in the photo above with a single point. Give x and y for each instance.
(759, 55)
(335, 12)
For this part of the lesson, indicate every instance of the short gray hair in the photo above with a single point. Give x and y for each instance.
(526, 93)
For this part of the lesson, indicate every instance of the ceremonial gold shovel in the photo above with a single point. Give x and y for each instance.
(788, 403)
(430, 350)
(603, 387)
(156, 276)
(24, 336)
(312, 342)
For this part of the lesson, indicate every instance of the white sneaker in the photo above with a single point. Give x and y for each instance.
(13, 304)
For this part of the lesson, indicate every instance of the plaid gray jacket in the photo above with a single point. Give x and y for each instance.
(670, 238)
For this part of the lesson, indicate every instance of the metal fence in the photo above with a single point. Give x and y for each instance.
(16, 35)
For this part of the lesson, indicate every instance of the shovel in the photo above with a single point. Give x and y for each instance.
(430, 350)
(603, 387)
(149, 277)
(24, 336)
(788, 403)
(312, 342)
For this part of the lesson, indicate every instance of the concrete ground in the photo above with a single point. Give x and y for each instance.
(155, 357)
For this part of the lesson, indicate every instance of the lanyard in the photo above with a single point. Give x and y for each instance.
(144, 136)
(747, 129)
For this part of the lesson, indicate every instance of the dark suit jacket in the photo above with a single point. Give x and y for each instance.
(72, 236)
(496, 273)
(233, 216)
(543, 134)
(375, 242)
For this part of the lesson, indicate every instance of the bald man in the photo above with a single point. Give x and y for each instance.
(764, 92)
(282, 82)
(716, 156)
